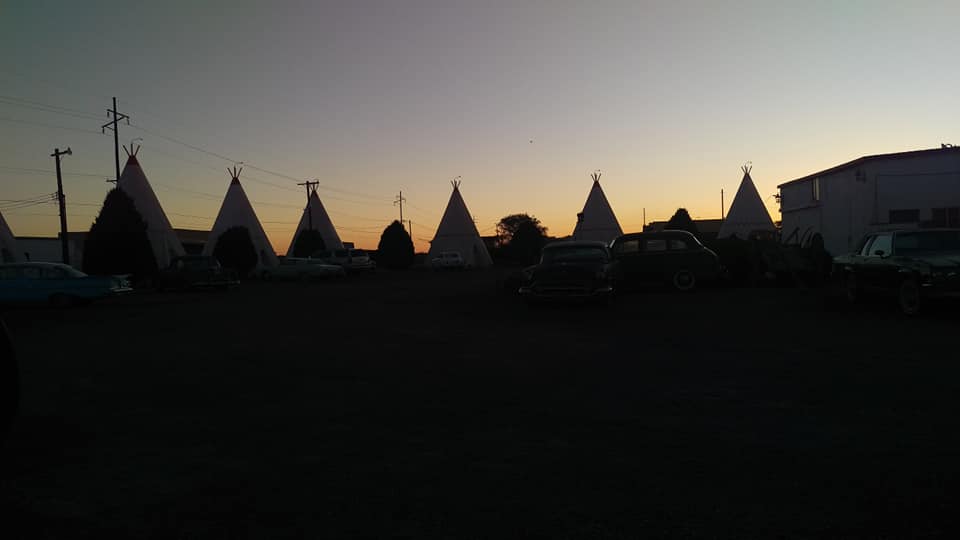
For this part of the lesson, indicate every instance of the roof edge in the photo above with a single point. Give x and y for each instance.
(864, 159)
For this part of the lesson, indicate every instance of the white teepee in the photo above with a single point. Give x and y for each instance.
(8, 244)
(458, 232)
(134, 183)
(236, 211)
(597, 221)
(747, 211)
(315, 217)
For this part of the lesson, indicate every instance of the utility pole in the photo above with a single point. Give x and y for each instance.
(117, 116)
(64, 244)
(721, 205)
(309, 212)
(410, 228)
(400, 200)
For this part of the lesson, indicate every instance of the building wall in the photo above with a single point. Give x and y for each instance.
(870, 196)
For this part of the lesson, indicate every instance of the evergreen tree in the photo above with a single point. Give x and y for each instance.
(681, 221)
(117, 242)
(395, 250)
(234, 249)
(308, 242)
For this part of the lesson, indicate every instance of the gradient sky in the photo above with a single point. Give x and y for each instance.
(667, 99)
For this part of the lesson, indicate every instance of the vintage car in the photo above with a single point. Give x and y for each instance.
(55, 284)
(352, 260)
(571, 270)
(910, 265)
(303, 269)
(448, 260)
(195, 272)
(675, 258)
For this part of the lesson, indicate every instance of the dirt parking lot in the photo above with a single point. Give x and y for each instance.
(419, 405)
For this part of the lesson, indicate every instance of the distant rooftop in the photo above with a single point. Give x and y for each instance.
(864, 159)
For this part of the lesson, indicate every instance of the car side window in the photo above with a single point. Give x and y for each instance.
(30, 272)
(881, 243)
(655, 245)
(865, 249)
(53, 273)
(679, 244)
(629, 246)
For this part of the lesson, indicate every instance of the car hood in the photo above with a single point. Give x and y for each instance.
(937, 260)
(567, 270)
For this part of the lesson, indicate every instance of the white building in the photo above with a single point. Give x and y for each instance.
(842, 203)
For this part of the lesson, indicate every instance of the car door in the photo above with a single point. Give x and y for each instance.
(874, 266)
(627, 253)
(655, 264)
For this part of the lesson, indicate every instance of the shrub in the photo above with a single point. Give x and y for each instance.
(234, 249)
(118, 241)
(395, 250)
(308, 242)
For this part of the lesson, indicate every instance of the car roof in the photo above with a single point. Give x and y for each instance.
(574, 243)
(654, 234)
(915, 230)
(38, 264)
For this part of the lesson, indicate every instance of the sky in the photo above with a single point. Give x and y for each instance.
(521, 99)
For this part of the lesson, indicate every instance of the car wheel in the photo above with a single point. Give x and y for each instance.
(909, 296)
(684, 280)
(851, 288)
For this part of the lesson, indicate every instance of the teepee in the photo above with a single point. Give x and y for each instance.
(236, 211)
(458, 232)
(747, 211)
(597, 220)
(134, 183)
(8, 244)
(315, 218)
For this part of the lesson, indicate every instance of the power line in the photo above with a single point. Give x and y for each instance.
(30, 170)
(52, 126)
(41, 107)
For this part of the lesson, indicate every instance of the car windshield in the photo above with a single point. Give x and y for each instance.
(574, 253)
(926, 242)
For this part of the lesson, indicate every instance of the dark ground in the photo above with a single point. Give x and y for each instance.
(417, 405)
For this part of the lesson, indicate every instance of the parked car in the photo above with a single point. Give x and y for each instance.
(196, 271)
(571, 270)
(302, 268)
(352, 260)
(56, 284)
(910, 265)
(448, 260)
(675, 258)
(9, 382)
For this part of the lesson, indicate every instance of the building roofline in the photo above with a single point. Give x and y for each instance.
(864, 159)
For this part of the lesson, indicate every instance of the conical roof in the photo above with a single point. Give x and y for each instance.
(747, 212)
(458, 232)
(236, 211)
(315, 217)
(597, 221)
(8, 244)
(163, 240)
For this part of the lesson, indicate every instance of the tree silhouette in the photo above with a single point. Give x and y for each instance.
(681, 221)
(308, 242)
(234, 249)
(508, 225)
(117, 242)
(521, 237)
(395, 250)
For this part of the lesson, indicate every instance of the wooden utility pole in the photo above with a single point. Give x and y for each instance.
(117, 116)
(721, 205)
(400, 200)
(309, 212)
(64, 244)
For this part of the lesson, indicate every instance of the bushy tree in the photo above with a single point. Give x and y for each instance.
(395, 250)
(234, 249)
(508, 226)
(308, 242)
(681, 221)
(117, 242)
(521, 237)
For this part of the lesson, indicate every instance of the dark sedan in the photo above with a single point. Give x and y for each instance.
(676, 258)
(909, 264)
(571, 270)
